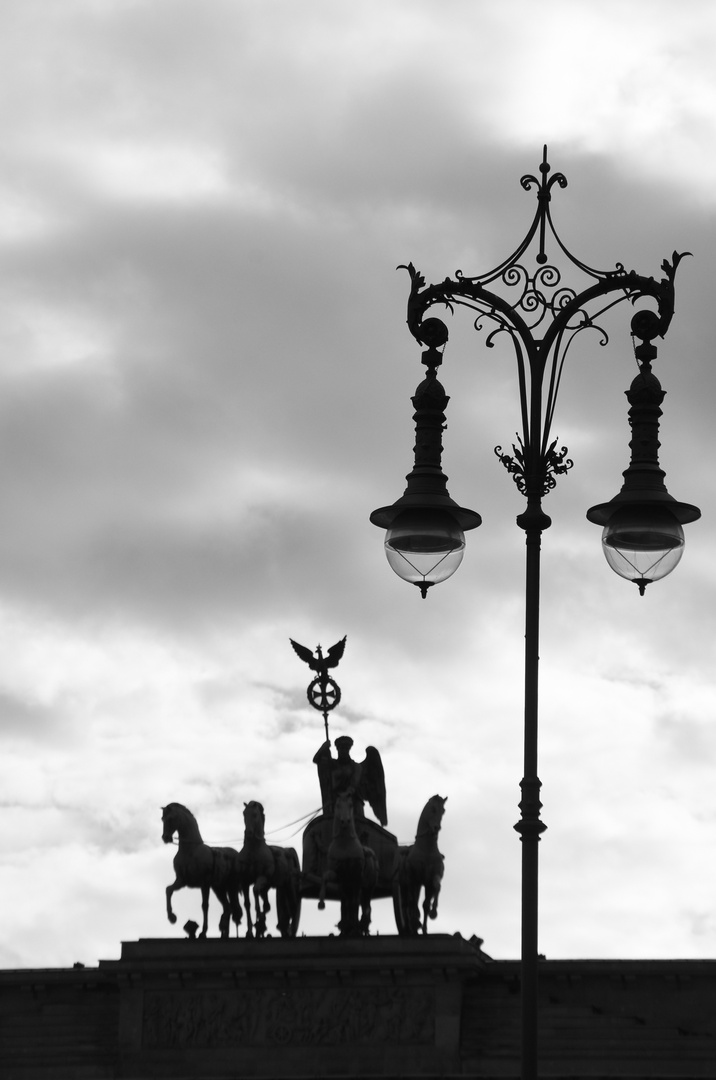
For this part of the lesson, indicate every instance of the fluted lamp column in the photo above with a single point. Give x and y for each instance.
(643, 538)
(425, 528)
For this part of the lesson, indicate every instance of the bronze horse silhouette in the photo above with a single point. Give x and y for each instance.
(198, 866)
(352, 870)
(422, 866)
(266, 866)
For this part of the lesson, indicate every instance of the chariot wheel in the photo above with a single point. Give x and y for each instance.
(323, 694)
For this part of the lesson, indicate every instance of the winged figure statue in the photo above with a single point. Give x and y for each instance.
(364, 781)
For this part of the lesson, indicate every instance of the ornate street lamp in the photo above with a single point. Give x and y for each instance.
(642, 534)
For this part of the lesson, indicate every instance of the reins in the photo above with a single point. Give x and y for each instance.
(274, 832)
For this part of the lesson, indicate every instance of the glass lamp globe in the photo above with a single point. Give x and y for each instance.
(643, 544)
(424, 547)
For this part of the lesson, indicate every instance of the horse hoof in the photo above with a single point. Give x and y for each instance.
(321, 905)
(172, 918)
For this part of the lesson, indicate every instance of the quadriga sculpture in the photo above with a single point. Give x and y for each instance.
(198, 866)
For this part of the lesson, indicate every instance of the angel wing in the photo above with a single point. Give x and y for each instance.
(306, 655)
(372, 784)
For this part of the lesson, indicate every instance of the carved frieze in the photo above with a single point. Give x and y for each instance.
(288, 1017)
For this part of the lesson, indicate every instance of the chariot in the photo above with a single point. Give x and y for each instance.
(317, 837)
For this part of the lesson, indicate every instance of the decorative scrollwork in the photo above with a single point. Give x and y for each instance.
(540, 294)
(670, 268)
(515, 464)
(553, 463)
(537, 307)
(513, 275)
(503, 325)
(544, 185)
(548, 276)
(532, 300)
(563, 297)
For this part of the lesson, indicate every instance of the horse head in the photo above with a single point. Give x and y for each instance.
(174, 815)
(343, 813)
(431, 818)
(254, 819)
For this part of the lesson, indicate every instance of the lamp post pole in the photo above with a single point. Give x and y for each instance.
(642, 536)
(530, 826)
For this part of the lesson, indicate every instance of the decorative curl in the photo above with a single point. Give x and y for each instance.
(563, 298)
(555, 463)
(514, 275)
(549, 276)
(514, 465)
(532, 300)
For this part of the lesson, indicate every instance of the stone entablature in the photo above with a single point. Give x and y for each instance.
(372, 1007)
(309, 1007)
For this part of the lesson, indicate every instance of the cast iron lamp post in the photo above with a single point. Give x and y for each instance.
(642, 533)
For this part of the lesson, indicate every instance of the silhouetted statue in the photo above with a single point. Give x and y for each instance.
(267, 866)
(198, 866)
(421, 867)
(362, 781)
(353, 870)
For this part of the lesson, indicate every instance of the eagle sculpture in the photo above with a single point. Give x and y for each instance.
(320, 663)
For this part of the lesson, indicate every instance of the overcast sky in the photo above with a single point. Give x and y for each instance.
(205, 382)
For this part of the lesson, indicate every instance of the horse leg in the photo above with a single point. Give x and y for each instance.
(228, 897)
(283, 905)
(365, 915)
(225, 920)
(235, 907)
(350, 923)
(430, 903)
(368, 883)
(427, 900)
(170, 890)
(328, 876)
(433, 912)
(287, 902)
(261, 888)
(247, 905)
(349, 887)
(204, 909)
(414, 910)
